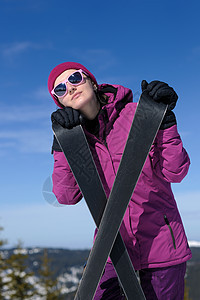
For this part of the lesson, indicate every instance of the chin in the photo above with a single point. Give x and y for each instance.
(81, 103)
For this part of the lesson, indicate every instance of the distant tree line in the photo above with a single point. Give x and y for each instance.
(16, 281)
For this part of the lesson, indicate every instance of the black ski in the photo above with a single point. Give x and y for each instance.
(146, 122)
(75, 147)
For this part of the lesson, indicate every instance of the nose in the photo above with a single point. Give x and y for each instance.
(71, 89)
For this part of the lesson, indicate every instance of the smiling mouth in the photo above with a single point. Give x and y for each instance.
(76, 95)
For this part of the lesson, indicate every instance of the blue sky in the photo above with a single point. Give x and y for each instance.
(120, 42)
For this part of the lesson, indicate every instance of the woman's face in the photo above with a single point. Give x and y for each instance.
(78, 96)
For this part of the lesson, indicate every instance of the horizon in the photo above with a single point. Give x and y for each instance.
(192, 244)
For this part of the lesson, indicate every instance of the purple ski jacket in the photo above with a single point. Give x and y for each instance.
(152, 228)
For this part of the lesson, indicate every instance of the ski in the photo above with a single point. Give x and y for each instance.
(145, 125)
(77, 152)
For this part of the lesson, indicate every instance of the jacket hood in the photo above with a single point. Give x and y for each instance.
(118, 97)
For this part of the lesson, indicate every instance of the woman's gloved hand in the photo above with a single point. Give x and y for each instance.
(68, 118)
(161, 92)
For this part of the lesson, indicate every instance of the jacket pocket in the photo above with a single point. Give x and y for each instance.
(171, 231)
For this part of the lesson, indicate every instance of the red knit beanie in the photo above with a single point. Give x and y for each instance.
(60, 69)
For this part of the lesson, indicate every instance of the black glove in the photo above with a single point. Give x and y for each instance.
(169, 120)
(68, 118)
(161, 92)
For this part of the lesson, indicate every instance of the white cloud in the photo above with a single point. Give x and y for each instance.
(42, 93)
(27, 140)
(18, 48)
(29, 111)
(23, 113)
(26, 128)
(11, 50)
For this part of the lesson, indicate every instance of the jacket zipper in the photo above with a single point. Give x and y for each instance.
(171, 231)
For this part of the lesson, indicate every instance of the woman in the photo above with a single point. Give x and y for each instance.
(152, 228)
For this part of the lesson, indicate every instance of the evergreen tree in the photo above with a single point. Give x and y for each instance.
(2, 242)
(51, 291)
(19, 284)
(2, 268)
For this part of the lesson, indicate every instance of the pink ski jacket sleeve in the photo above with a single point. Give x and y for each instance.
(65, 186)
(170, 160)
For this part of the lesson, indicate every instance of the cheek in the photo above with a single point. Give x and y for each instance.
(65, 101)
(90, 93)
(89, 90)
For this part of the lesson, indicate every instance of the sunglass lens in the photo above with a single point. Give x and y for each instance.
(60, 90)
(75, 78)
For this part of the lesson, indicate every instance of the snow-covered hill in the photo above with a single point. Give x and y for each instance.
(67, 266)
(194, 244)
